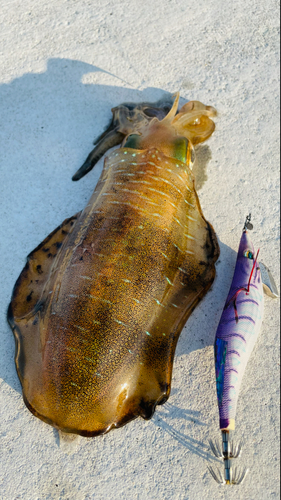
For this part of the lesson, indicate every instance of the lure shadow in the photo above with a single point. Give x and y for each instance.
(193, 445)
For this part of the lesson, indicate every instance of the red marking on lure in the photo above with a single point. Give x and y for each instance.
(247, 290)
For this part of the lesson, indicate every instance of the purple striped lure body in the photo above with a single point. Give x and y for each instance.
(236, 335)
(238, 330)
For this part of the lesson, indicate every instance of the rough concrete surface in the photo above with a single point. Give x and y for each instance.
(64, 65)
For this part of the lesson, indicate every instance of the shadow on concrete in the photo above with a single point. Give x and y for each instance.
(193, 445)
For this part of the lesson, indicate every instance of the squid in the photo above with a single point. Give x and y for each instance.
(99, 306)
(236, 336)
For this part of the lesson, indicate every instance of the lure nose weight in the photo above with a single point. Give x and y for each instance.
(236, 335)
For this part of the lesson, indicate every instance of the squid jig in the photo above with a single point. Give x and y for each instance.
(236, 335)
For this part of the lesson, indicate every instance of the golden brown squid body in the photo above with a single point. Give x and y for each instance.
(98, 308)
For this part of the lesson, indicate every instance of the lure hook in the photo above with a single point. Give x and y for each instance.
(248, 224)
(227, 452)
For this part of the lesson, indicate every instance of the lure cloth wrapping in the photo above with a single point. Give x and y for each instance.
(238, 330)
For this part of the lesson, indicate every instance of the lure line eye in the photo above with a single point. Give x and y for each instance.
(249, 254)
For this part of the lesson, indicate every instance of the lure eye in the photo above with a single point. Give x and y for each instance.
(249, 254)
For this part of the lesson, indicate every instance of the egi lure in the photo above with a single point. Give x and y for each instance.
(236, 335)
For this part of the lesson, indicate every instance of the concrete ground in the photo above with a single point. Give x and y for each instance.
(64, 65)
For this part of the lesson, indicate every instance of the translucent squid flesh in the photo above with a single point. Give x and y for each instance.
(236, 336)
(99, 306)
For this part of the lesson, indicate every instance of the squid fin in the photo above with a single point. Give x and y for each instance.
(29, 286)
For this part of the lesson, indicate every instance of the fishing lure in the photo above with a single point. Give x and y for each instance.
(236, 335)
(98, 308)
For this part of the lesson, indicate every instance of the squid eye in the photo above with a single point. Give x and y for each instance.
(249, 254)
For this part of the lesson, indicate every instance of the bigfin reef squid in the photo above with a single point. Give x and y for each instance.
(100, 304)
